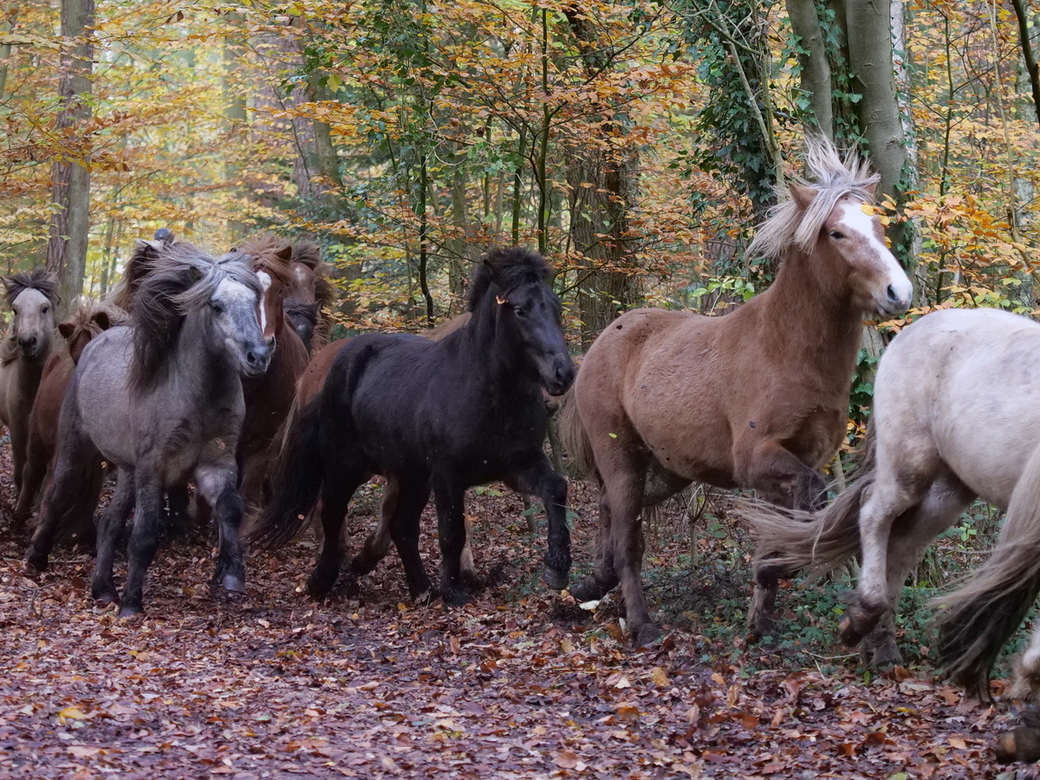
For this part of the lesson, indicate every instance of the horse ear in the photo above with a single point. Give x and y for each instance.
(285, 253)
(871, 188)
(66, 329)
(9, 284)
(801, 195)
(102, 319)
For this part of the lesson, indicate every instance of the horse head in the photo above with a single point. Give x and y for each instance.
(830, 217)
(271, 259)
(87, 319)
(221, 297)
(526, 306)
(308, 292)
(33, 296)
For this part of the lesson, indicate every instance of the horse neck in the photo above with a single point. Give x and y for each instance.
(811, 303)
(209, 370)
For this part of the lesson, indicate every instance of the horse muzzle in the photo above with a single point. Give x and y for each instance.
(257, 359)
(560, 377)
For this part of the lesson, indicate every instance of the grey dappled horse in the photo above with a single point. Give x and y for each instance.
(161, 400)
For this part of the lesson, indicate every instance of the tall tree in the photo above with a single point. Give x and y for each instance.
(70, 189)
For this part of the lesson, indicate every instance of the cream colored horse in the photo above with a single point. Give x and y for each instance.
(956, 416)
(23, 353)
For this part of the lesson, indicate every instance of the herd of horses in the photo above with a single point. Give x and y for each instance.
(217, 372)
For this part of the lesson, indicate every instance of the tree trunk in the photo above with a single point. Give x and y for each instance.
(816, 70)
(6, 27)
(1032, 69)
(235, 116)
(67, 246)
(601, 180)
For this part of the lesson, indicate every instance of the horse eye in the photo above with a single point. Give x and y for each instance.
(837, 234)
(519, 312)
(218, 307)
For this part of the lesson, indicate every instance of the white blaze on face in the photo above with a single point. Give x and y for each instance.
(856, 222)
(265, 282)
(237, 300)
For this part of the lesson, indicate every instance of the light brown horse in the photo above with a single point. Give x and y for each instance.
(269, 397)
(309, 296)
(757, 398)
(23, 354)
(87, 319)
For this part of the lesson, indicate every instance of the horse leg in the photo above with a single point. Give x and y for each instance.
(144, 539)
(335, 500)
(540, 479)
(378, 542)
(1026, 683)
(404, 529)
(603, 578)
(178, 516)
(911, 534)
(216, 481)
(780, 478)
(450, 501)
(110, 527)
(19, 432)
(69, 490)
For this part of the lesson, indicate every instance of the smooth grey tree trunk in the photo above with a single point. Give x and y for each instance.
(70, 188)
(816, 69)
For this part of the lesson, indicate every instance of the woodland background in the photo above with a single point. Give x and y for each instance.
(635, 144)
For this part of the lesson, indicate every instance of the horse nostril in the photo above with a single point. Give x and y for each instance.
(893, 296)
(270, 342)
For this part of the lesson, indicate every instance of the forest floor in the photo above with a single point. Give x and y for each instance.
(518, 684)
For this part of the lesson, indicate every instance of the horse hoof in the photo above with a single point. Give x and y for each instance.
(455, 597)
(319, 586)
(648, 634)
(882, 654)
(760, 626)
(233, 584)
(557, 580)
(129, 611)
(849, 635)
(35, 563)
(588, 589)
(104, 594)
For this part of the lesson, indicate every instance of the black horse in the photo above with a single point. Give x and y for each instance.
(434, 416)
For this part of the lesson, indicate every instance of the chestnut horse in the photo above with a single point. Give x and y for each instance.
(88, 319)
(269, 397)
(757, 398)
(309, 296)
(23, 354)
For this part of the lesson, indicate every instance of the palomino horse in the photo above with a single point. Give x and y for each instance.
(955, 417)
(161, 400)
(23, 354)
(269, 397)
(757, 398)
(442, 415)
(309, 296)
(86, 320)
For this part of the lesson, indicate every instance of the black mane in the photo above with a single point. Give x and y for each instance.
(507, 269)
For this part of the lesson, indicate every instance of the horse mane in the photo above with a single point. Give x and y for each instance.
(508, 269)
(829, 177)
(183, 279)
(309, 254)
(138, 266)
(84, 316)
(266, 251)
(36, 279)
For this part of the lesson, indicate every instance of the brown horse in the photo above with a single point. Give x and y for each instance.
(309, 296)
(757, 398)
(270, 396)
(88, 319)
(23, 353)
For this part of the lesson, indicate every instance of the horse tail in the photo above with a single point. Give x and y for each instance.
(820, 541)
(297, 479)
(574, 438)
(978, 619)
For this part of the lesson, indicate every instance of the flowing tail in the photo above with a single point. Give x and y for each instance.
(818, 542)
(978, 619)
(573, 437)
(297, 479)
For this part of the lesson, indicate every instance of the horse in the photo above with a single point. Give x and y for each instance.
(23, 353)
(954, 407)
(757, 398)
(161, 400)
(87, 319)
(434, 416)
(309, 296)
(269, 397)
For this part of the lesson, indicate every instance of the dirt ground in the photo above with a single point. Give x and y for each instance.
(521, 683)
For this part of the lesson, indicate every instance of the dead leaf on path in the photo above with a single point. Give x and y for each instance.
(566, 760)
(660, 678)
